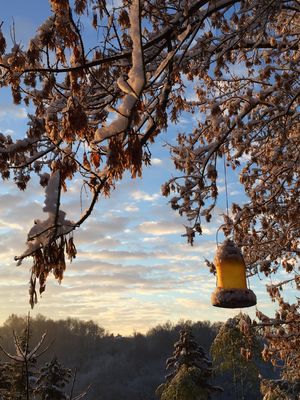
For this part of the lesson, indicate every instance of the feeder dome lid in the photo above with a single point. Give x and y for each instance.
(228, 250)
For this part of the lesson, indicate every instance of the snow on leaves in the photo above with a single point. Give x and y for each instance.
(47, 241)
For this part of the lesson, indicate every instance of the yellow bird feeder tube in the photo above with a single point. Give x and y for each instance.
(231, 291)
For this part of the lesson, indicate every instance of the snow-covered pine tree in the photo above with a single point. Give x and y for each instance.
(233, 352)
(51, 381)
(22, 368)
(6, 383)
(20, 372)
(191, 371)
(20, 378)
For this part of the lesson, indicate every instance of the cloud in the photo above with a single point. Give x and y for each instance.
(160, 228)
(8, 132)
(139, 195)
(114, 255)
(235, 193)
(96, 229)
(12, 111)
(156, 161)
(131, 208)
(244, 158)
(169, 227)
(190, 303)
(152, 239)
(9, 225)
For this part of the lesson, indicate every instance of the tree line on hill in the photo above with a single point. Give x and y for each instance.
(83, 355)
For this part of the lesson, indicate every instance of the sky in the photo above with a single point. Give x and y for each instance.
(133, 269)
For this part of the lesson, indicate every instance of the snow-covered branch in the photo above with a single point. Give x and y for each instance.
(133, 87)
(41, 234)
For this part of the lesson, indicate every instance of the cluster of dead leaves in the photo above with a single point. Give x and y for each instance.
(50, 258)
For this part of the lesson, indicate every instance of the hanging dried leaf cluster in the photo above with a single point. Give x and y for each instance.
(282, 348)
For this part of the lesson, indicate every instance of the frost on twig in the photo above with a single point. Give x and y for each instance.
(133, 87)
(21, 343)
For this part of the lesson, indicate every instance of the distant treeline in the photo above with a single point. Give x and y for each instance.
(125, 368)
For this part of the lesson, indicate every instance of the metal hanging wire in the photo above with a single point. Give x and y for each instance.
(226, 188)
(226, 196)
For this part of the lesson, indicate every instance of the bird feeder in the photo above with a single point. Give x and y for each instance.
(231, 291)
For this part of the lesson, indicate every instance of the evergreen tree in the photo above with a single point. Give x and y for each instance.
(191, 370)
(51, 381)
(20, 373)
(21, 380)
(6, 385)
(231, 353)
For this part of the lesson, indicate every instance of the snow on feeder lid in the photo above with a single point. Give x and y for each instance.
(231, 291)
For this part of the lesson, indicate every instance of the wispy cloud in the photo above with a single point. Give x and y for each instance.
(139, 195)
(10, 225)
(131, 208)
(156, 161)
(12, 111)
(160, 228)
